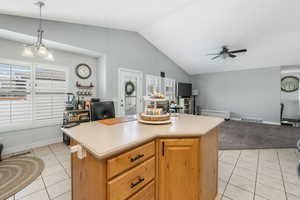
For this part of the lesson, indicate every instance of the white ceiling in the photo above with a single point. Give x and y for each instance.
(186, 30)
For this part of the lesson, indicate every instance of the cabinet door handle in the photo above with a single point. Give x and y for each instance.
(136, 183)
(137, 157)
(163, 148)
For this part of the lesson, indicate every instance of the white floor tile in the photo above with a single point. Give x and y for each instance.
(41, 195)
(292, 189)
(36, 186)
(269, 192)
(236, 193)
(55, 178)
(52, 170)
(270, 181)
(242, 182)
(65, 196)
(59, 188)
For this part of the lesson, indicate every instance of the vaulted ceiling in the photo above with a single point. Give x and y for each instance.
(187, 30)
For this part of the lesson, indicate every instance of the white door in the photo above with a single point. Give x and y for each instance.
(130, 92)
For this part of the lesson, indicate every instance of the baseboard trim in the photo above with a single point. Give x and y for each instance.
(271, 123)
(31, 145)
(263, 122)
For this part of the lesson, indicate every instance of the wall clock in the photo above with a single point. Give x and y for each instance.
(83, 71)
(290, 84)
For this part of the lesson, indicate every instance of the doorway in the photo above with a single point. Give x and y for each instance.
(130, 92)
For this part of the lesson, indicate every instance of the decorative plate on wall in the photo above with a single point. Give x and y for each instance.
(83, 71)
(290, 84)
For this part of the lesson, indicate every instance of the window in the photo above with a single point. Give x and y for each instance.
(170, 88)
(15, 94)
(50, 94)
(31, 95)
(153, 84)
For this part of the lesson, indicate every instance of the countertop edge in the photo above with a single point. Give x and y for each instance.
(128, 146)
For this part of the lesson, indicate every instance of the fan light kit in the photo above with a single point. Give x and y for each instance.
(225, 53)
(38, 48)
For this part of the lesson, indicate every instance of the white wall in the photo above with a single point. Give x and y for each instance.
(23, 139)
(247, 93)
(123, 49)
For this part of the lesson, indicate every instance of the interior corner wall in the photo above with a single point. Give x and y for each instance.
(248, 93)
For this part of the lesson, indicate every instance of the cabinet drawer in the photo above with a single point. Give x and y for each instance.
(125, 161)
(147, 193)
(130, 182)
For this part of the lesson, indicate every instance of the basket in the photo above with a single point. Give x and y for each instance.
(155, 117)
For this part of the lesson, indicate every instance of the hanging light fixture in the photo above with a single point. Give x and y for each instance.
(38, 48)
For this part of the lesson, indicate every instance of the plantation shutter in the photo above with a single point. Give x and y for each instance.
(170, 88)
(15, 94)
(50, 94)
(153, 84)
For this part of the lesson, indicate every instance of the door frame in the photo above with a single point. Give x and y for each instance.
(139, 91)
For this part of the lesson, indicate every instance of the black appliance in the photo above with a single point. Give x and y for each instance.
(184, 89)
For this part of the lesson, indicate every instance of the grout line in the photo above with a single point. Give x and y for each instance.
(45, 187)
(59, 161)
(281, 171)
(257, 168)
(61, 166)
(297, 153)
(231, 174)
(62, 194)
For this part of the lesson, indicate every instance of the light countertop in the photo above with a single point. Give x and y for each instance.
(104, 140)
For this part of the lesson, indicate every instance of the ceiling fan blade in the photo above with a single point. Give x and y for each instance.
(216, 57)
(212, 54)
(238, 51)
(231, 55)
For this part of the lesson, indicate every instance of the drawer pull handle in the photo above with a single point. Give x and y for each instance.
(136, 183)
(136, 158)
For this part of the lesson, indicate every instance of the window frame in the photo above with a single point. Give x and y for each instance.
(152, 77)
(33, 123)
(165, 87)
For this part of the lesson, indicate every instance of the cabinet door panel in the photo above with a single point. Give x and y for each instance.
(179, 169)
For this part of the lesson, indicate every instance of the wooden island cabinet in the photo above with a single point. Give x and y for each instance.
(161, 168)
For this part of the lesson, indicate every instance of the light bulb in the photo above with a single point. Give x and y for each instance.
(42, 51)
(49, 56)
(27, 52)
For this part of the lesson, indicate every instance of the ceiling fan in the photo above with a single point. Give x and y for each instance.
(225, 53)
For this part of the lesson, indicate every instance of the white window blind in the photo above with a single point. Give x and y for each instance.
(170, 88)
(15, 94)
(31, 95)
(50, 94)
(153, 84)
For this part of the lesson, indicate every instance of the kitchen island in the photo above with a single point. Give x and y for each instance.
(134, 161)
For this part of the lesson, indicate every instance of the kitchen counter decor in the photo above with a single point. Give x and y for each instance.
(155, 112)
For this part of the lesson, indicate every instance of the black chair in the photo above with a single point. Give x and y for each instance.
(102, 110)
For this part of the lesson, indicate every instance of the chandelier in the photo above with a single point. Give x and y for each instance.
(38, 48)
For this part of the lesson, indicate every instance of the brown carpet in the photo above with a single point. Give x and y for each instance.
(17, 173)
(246, 135)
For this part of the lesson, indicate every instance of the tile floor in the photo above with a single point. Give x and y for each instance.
(243, 175)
